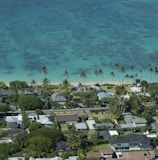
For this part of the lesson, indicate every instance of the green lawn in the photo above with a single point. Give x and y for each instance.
(99, 147)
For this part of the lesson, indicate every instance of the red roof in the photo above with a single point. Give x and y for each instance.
(93, 154)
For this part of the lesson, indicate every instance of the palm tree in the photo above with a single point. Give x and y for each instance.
(113, 75)
(45, 84)
(123, 71)
(97, 74)
(33, 83)
(83, 75)
(100, 72)
(44, 70)
(117, 65)
(127, 76)
(140, 71)
(66, 74)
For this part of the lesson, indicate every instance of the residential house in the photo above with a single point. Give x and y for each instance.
(131, 142)
(62, 146)
(97, 88)
(104, 134)
(16, 158)
(58, 97)
(77, 90)
(77, 103)
(47, 120)
(100, 126)
(4, 92)
(6, 140)
(55, 158)
(67, 118)
(91, 123)
(14, 121)
(80, 126)
(133, 122)
(113, 133)
(102, 95)
(73, 158)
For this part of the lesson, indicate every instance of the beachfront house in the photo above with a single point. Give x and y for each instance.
(58, 97)
(102, 95)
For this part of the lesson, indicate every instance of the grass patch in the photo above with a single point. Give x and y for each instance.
(99, 147)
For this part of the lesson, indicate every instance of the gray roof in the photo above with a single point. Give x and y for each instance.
(102, 95)
(80, 126)
(67, 118)
(134, 119)
(132, 140)
(58, 97)
(104, 134)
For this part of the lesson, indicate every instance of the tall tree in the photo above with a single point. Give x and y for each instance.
(96, 74)
(45, 85)
(113, 75)
(45, 71)
(83, 76)
(66, 74)
(100, 71)
(123, 71)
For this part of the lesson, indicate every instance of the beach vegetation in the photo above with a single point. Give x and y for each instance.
(16, 85)
(29, 102)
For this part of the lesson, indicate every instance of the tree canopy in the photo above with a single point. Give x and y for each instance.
(29, 102)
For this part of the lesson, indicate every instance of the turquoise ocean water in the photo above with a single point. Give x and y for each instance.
(76, 35)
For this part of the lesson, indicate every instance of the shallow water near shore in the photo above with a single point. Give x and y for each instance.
(80, 35)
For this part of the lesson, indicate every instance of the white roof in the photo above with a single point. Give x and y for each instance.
(55, 158)
(80, 126)
(95, 87)
(16, 158)
(43, 119)
(14, 118)
(103, 95)
(5, 141)
(136, 89)
(113, 133)
(91, 123)
(72, 158)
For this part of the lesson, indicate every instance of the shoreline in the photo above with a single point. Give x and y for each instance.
(88, 83)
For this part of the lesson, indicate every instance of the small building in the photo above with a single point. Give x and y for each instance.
(80, 126)
(16, 158)
(102, 95)
(67, 118)
(14, 121)
(58, 97)
(47, 120)
(113, 133)
(73, 158)
(91, 123)
(55, 158)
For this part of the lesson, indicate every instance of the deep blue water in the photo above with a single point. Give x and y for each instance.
(77, 35)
